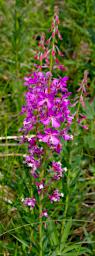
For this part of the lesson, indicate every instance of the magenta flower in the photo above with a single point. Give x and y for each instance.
(65, 135)
(51, 118)
(33, 164)
(45, 99)
(39, 186)
(30, 202)
(44, 213)
(58, 170)
(50, 137)
(55, 197)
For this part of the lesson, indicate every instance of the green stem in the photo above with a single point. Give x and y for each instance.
(40, 218)
(51, 59)
(67, 202)
(40, 227)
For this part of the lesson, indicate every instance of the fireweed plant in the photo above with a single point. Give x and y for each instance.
(48, 118)
(46, 124)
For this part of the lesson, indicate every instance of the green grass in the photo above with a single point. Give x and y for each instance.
(21, 21)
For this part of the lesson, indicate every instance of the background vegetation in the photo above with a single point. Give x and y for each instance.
(22, 22)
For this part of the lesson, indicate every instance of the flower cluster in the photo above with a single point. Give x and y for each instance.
(30, 202)
(48, 119)
(55, 197)
(58, 170)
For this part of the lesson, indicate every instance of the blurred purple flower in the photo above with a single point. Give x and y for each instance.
(30, 202)
(55, 197)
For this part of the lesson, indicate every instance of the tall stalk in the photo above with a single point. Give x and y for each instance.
(40, 226)
(40, 216)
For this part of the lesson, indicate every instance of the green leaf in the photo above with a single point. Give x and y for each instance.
(75, 250)
(53, 234)
(24, 243)
(69, 248)
(65, 234)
